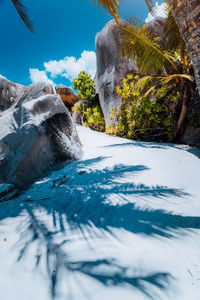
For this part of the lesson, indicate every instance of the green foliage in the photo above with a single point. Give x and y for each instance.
(90, 111)
(85, 86)
(78, 108)
(112, 130)
(141, 117)
(95, 119)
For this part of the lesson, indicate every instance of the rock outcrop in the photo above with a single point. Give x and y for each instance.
(36, 134)
(9, 92)
(68, 97)
(191, 136)
(111, 68)
(14, 94)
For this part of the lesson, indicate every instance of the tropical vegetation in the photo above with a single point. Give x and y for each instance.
(88, 107)
(141, 117)
(160, 62)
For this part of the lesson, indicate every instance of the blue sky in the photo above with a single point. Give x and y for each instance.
(63, 28)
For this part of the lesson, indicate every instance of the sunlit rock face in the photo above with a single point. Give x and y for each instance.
(111, 68)
(36, 135)
(34, 91)
(14, 94)
(9, 92)
(68, 97)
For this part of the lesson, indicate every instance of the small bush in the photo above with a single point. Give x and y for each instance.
(90, 111)
(140, 117)
(95, 119)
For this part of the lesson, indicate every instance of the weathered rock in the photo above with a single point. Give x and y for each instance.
(76, 116)
(68, 97)
(111, 68)
(9, 92)
(191, 136)
(35, 136)
(14, 94)
(34, 91)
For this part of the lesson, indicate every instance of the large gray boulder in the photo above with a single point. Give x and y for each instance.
(36, 135)
(111, 68)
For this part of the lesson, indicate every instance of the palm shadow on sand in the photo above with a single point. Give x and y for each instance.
(80, 196)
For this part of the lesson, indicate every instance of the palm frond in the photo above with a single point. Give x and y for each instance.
(181, 77)
(151, 90)
(138, 44)
(174, 39)
(111, 6)
(150, 83)
(149, 3)
(144, 82)
(22, 11)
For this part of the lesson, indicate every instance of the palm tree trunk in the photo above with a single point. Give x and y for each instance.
(187, 16)
(186, 99)
(184, 110)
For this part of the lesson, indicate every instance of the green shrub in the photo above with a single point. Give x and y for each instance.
(111, 129)
(85, 86)
(140, 117)
(95, 119)
(77, 107)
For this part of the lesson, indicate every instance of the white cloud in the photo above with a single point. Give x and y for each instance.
(159, 11)
(69, 67)
(37, 76)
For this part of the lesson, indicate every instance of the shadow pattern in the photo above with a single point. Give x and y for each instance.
(82, 196)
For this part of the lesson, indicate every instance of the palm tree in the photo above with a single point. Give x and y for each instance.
(187, 16)
(160, 65)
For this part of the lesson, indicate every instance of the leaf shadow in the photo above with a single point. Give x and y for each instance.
(82, 196)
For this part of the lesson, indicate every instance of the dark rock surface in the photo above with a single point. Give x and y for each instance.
(36, 135)
(191, 136)
(111, 69)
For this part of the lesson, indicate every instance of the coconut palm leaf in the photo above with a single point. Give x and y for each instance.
(173, 37)
(149, 3)
(111, 6)
(174, 40)
(150, 83)
(144, 82)
(138, 44)
(22, 11)
(177, 77)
